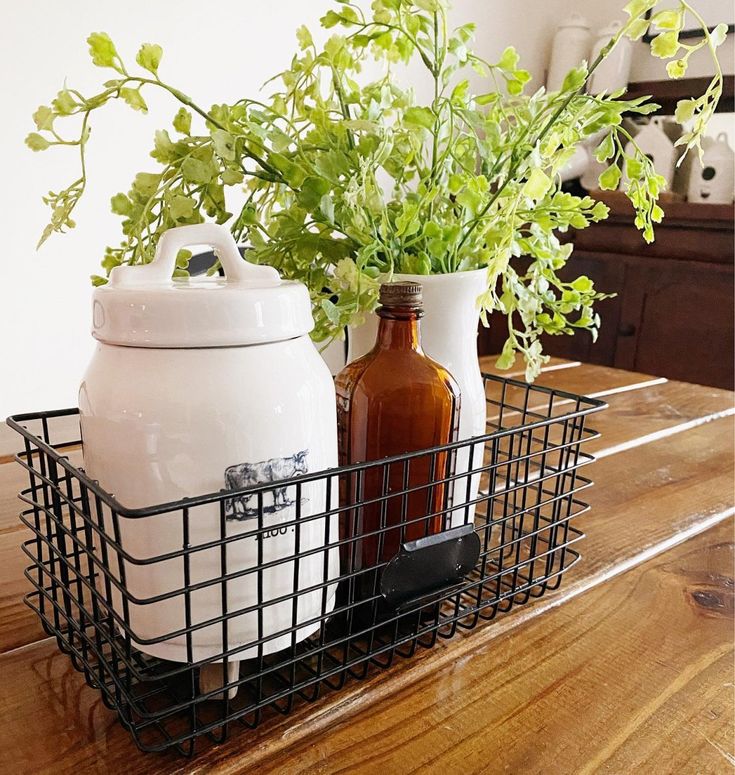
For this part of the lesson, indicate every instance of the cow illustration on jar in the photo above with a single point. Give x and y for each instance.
(242, 475)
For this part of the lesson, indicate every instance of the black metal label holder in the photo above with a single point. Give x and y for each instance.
(425, 569)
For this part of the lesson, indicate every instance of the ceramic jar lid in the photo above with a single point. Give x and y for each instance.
(575, 20)
(143, 306)
(610, 31)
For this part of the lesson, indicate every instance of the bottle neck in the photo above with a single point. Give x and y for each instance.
(399, 329)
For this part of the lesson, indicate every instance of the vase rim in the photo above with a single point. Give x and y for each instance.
(436, 279)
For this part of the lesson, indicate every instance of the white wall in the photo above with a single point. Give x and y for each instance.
(215, 52)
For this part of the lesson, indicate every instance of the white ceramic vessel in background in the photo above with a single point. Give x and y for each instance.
(198, 385)
(713, 179)
(614, 72)
(578, 165)
(653, 141)
(334, 354)
(449, 336)
(570, 47)
(590, 179)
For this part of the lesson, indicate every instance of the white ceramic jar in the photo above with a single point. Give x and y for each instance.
(199, 385)
(614, 72)
(713, 179)
(571, 46)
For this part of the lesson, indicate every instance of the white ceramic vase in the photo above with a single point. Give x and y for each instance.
(614, 72)
(449, 336)
(570, 47)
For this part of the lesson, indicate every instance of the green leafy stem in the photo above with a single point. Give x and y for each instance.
(341, 184)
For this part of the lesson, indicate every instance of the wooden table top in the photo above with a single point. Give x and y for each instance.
(630, 668)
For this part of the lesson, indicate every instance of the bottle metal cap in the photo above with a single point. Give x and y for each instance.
(401, 294)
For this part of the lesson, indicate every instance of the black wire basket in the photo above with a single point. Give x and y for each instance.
(341, 606)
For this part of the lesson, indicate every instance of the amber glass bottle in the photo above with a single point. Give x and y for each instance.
(393, 400)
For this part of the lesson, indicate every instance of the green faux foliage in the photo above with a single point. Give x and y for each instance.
(341, 183)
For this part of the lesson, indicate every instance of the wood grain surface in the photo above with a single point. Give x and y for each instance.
(617, 680)
(628, 670)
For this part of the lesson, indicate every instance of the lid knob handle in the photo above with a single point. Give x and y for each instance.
(161, 269)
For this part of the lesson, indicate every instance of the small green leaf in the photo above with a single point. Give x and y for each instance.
(182, 258)
(43, 117)
(685, 110)
(514, 87)
(326, 206)
(672, 19)
(718, 35)
(164, 149)
(456, 183)
(181, 207)
(37, 142)
(103, 51)
(416, 263)
(232, 177)
(198, 171)
(638, 29)
(633, 168)
(64, 104)
(665, 45)
(583, 284)
(677, 68)
(303, 36)
(470, 199)
(97, 280)
(348, 16)
(508, 356)
(537, 185)
(329, 20)
(639, 7)
(145, 184)
(149, 57)
(182, 121)
(121, 205)
(224, 144)
(331, 311)
(610, 178)
(508, 59)
(486, 99)
(466, 32)
(600, 211)
(422, 117)
(606, 148)
(249, 215)
(311, 192)
(575, 79)
(459, 93)
(134, 98)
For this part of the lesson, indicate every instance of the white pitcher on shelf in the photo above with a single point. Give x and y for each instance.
(613, 73)
(570, 47)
